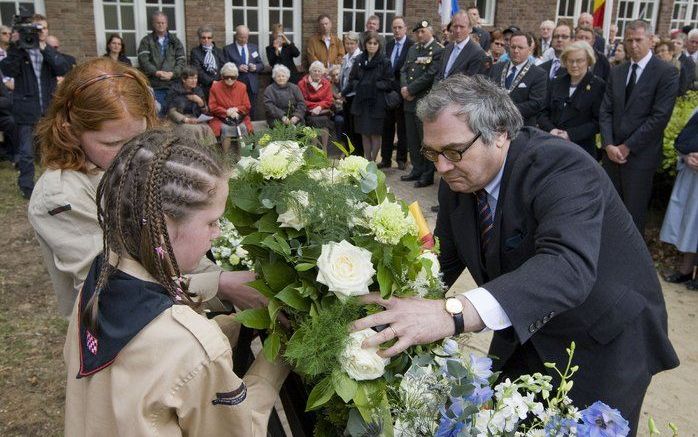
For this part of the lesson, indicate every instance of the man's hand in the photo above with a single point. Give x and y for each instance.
(294, 120)
(406, 94)
(625, 150)
(167, 75)
(691, 160)
(615, 154)
(231, 287)
(243, 68)
(252, 67)
(414, 321)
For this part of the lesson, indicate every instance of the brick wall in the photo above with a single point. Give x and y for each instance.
(72, 22)
(199, 12)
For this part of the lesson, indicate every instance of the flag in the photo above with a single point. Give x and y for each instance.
(446, 10)
(599, 8)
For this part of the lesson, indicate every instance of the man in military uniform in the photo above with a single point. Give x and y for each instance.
(416, 77)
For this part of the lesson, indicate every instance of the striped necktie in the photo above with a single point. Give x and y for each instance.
(486, 220)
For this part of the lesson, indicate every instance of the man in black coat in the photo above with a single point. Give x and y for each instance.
(396, 50)
(543, 233)
(34, 71)
(639, 100)
(7, 124)
(602, 68)
(525, 82)
(461, 55)
(207, 59)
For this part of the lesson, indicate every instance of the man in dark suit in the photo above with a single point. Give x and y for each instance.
(639, 99)
(206, 58)
(562, 37)
(461, 55)
(543, 233)
(247, 58)
(396, 50)
(525, 82)
(602, 68)
(587, 20)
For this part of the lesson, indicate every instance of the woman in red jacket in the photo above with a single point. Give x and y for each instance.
(229, 105)
(317, 93)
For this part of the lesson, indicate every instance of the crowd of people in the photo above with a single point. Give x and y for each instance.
(125, 211)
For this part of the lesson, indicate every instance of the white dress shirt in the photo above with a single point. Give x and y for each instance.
(640, 67)
(247, 53)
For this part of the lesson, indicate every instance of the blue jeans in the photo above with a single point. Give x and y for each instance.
(25, 157)
(160, 97)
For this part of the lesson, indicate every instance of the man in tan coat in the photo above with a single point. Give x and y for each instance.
(325, 46)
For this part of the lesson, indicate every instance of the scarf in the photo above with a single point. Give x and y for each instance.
(209, 60)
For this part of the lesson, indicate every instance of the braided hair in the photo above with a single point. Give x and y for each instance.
(157, 175)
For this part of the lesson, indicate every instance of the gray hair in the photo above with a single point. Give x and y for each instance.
(229, 69)
(352, 36)
(158, 13)
(482, 105)
(548, 23)
(280, 68)
(639, 24)
(317, 65)
(693, 33)
(206, 28)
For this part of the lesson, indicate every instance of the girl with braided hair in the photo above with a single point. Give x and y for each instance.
(147, 363)
(100, 105)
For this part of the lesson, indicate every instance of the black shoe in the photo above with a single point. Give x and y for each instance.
(435, 208)
(423, 183)
(678, 278)
(385, 164)
(401, 165)
(410, 177)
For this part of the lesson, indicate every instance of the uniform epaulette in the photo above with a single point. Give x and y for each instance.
(211, 339)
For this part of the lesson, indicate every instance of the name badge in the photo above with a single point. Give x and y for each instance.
(255, 54)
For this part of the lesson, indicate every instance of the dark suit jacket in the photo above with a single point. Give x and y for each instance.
(251, 80)
(547, 65)
(470, 61)
(577, 114)
(288, 52)
(602, 68)
(196, 60)
(400, 60)
(639, 123)
(599, 43)
(565, 263)
(529, 95)
(687, 73)
(26, 107)
(484, 37)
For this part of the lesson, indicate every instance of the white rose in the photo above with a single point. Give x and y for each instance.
(345, 269)
(359, 363)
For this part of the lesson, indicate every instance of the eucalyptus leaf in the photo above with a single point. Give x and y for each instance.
(456, 369)
(368, 183)
(320, 394)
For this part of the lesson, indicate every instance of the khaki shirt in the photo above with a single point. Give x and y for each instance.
(165, 380)
(63, 213)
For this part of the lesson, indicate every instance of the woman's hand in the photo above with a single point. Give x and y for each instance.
(316, 110)
(232, 112)
(691, 160)
(285, 120)
(294, 120)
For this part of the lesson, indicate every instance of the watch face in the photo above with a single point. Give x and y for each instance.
(454, 306)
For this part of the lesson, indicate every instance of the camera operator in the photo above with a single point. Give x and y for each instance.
(34, 65)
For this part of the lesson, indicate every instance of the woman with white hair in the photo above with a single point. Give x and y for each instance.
(317, 93)
(229, 104)
(283, 101)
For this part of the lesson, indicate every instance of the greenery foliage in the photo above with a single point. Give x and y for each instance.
(685, 105)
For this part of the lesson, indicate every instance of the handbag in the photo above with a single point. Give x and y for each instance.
(392, 99)
(687, 141)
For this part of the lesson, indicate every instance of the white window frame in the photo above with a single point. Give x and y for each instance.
(691, 10)
(142, 21)
(368, 11)
(578, 10)
(264, 26)
(487, 16)
(622, 21)
(39, 8)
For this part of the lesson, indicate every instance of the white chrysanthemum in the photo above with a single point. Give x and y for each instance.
(389, 223)
(353, 166)
(279, 159)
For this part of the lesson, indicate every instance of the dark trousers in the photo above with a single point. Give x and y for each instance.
(349, 131)
(634, 187)
(421, 166)
(393, 118)
(161, 97)
(9, 131)
(25, 157)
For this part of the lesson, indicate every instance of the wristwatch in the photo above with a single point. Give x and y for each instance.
(455, 308)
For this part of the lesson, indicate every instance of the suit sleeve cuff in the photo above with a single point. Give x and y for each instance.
(491, 313)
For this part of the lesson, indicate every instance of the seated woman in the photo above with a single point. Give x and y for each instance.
(140, 358)
(317, 93)
(100, 105)
(185, 101)
(116, 49)
(283, 101)
(574, 99)
(230, 106)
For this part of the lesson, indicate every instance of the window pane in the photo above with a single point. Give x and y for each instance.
(150, 2)
(168, 2)
(274, 17)
(348, 19)
(238, 17)
(360, 4)
(254, 39)
(274, 3)
(111, 21)
(252, 21)
(360, 22)
(388, 24)
(237, 2)
(129, 43)
(288, 3)
(348, 4)
(379, 4)
(28, 7)
(288, 21)
(252, 3)
(7, 11)
(171, 20)
(127, 19)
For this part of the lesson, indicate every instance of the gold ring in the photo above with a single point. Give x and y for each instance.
(394, 331)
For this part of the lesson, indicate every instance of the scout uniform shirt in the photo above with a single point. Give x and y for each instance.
(155, 368)
(63, 213)
(419, 69)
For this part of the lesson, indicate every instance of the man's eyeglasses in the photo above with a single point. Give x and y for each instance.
(206, 37)
(452, 155)
(561, 37)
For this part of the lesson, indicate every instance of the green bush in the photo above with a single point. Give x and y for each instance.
(685, 105)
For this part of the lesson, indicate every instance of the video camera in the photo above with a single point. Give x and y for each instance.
(27, 30)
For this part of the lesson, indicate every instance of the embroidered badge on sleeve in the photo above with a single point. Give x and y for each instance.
(232, 397)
